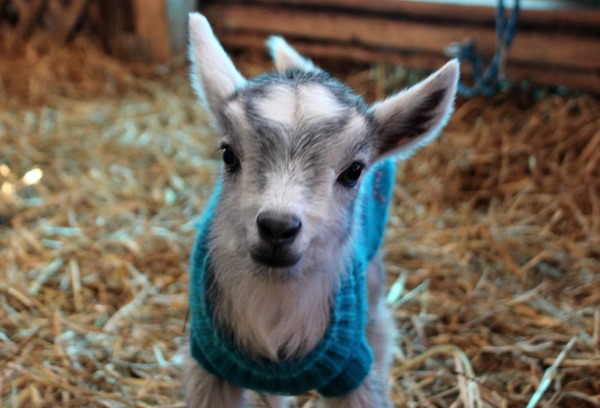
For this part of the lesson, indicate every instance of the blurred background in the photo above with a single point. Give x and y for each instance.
(106, 160)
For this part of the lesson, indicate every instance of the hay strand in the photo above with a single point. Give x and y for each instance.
(549, 374)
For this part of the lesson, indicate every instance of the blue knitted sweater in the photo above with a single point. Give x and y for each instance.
(343, 358)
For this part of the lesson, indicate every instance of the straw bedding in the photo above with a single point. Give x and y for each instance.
(493, 248)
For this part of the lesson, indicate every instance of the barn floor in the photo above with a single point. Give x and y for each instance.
(493, 248)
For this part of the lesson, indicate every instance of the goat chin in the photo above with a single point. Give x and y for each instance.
(276, 313)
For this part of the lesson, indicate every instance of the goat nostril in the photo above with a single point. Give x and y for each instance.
(292, 228)
(278, 228)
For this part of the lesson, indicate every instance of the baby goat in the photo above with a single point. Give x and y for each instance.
(286, 287)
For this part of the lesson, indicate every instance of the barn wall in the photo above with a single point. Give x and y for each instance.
(554, 45)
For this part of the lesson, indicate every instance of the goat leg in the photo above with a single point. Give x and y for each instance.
(205, 390)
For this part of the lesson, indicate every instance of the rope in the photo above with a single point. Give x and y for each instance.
(488, 83)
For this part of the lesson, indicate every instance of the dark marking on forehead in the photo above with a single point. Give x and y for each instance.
(288, 141)
(305, 147)
(225, 124)
(258, 86)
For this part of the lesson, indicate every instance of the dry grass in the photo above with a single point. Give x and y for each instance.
(493, 246)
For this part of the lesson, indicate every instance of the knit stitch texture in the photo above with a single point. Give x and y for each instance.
(343, 358)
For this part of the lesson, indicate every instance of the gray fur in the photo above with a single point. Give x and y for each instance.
(294, 132)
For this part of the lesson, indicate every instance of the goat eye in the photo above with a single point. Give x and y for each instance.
(350, 176)
(229, 158)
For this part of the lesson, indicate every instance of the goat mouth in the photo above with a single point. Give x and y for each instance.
(275, 260)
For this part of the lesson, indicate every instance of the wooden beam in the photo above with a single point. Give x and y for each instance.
(588, 80)
(151, 26)
(162, 26)
(555, 13)
(532, 47)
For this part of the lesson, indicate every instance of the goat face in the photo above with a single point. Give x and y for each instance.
(294, 146)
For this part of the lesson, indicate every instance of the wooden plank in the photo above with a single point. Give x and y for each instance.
(563, 14)
(401, 4)
(528, 47)
(151, 26)
(588, 80)
(329, 51)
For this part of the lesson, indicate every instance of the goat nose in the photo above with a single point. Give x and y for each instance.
(277, 228)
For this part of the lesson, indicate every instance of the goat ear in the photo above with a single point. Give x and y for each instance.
(414, 117)
(213, 75)
(285, 57)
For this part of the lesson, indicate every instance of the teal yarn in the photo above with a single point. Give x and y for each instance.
(343, 358)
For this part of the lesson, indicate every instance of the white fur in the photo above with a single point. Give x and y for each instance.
(285, 57)
(214, 77)
(235, 111)
(349, 136)
(308, 104)
(279, 105)
(271, 317)
(317, 104)
(283, 312)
